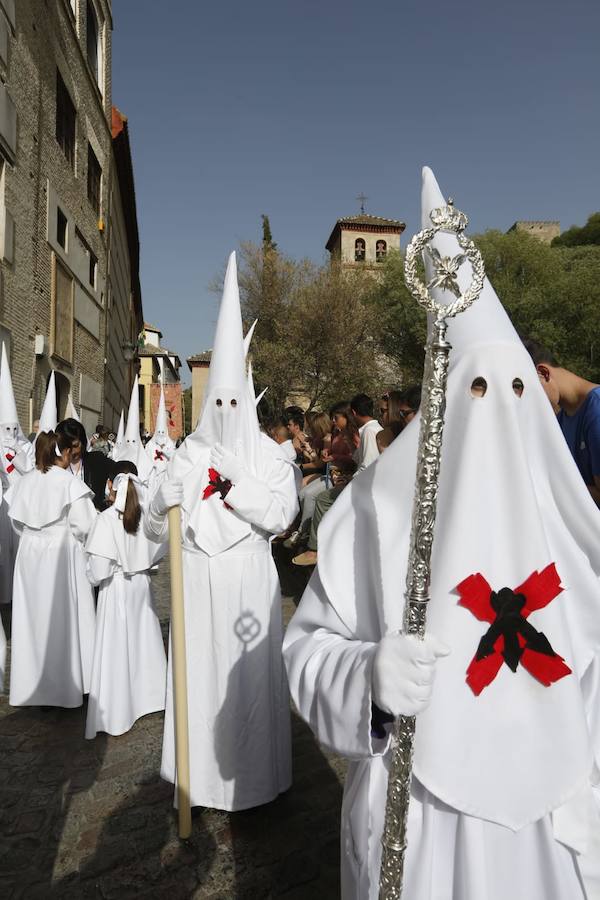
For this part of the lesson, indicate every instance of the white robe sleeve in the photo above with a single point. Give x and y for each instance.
(99, 569)
(329, 674)
(271, 506)
(81, 516)
(155, 525)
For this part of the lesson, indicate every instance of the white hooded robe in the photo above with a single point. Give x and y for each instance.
(503, 795)
(238, 701)
(129, 670)
(53, 605)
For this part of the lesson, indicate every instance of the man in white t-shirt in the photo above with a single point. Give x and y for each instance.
(368, 428)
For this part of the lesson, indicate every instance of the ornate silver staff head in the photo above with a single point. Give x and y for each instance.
(453, 221)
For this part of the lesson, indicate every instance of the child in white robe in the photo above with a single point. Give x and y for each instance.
(129, 671)
(53, 609)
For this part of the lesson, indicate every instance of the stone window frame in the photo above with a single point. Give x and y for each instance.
(379, 255)
(55, 347)
(62, 220)
(360, 250)
(94, 181)
(66, 121)
(95, 60)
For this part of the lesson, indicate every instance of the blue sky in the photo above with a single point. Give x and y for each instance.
(294, 108)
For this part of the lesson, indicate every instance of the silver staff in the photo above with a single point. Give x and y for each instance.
(435, 378)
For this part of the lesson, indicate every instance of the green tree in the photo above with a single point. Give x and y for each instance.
(579, 236)
(551, 293)
(400, 323)
(268, 242)
(187, 410)
(315, 326)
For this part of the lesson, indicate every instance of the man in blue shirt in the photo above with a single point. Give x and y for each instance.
(577, 403)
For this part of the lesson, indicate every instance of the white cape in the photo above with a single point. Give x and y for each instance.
(129, 670)
(53, 602)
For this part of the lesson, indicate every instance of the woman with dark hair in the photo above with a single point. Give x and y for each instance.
(344, 435)
(129, 672)
(92, 467)
(392, 419)
(53, 603)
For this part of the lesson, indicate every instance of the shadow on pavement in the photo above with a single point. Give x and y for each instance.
(44, 764)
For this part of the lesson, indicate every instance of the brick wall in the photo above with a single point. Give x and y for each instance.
(46, 36)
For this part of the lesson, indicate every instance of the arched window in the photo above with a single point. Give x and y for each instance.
(93, 42)
(360, 249)
(380, 251)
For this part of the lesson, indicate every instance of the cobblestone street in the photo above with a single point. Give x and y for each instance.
(92, 819)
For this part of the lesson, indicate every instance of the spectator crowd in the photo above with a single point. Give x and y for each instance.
(328, 449)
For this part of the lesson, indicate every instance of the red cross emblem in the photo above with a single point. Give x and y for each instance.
(511, 639)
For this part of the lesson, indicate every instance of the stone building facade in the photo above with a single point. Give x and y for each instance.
(55, 192)
(159, 364)
(544, 231)
(364, 240)
(125, 318)
(199, 365)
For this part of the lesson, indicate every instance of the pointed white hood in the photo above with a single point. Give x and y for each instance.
(49, 416)
(71, 411)
(229, 418)
(8, 407)
(132, 448)
(511, 502)
(132, 431)
(120, 431)
(160, 446)
(10, 430)
(249, 336)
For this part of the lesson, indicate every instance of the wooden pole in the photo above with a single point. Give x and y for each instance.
(178, 662)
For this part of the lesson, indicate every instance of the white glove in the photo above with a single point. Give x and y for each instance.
(227, 464)
(169, 494)
(403, 672)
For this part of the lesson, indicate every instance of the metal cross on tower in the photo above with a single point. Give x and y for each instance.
(362, 200)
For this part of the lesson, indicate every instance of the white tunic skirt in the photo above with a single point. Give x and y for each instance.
(9, 544)
(129, 671)
(238, 701)
(52, 621)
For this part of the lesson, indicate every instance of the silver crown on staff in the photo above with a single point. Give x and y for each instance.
(451, 220)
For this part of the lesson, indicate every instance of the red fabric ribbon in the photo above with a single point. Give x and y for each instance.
(10, 468)
(508, 625)
(216, 485)
(158, 455)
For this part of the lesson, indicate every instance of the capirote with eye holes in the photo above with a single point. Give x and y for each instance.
(219, 402)
(479, 386)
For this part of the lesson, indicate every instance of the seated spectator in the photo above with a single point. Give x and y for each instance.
(315, 475)
(402, 407)
(295, 426)
(319, 439)
(344, 434)
(383, 407)
(280, 434)
(368, 428)
(341, 474)
(577, 402)
(392, 419)
(410, 403)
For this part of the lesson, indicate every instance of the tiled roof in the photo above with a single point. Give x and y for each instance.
(365, 219)
(148, 327)
(151, 350)
(204, 356)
